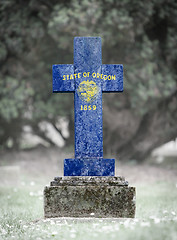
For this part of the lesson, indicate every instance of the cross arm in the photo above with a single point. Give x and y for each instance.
(63, 78)
(112, 78)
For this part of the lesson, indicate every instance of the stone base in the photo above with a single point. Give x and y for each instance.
(106, 197)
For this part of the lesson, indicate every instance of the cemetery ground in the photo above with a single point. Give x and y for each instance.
(23, 176)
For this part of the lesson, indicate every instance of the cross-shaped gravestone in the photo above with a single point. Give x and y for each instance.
(88, 78)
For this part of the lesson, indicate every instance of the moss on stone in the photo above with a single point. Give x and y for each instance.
(104, 200)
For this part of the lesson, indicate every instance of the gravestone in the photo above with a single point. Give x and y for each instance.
(89, 186)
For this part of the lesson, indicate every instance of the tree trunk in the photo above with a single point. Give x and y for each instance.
(155, 128)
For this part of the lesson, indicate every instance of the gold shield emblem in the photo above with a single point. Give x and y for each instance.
(88, 91)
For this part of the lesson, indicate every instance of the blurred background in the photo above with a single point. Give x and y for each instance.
(141, 35)
(37, 126)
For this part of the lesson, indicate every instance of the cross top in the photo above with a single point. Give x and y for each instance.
(88, 78)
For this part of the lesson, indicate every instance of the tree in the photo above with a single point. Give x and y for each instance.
(141, 35)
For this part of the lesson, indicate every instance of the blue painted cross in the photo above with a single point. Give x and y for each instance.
(88, 78)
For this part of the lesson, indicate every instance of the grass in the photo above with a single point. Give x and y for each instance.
(21, 202)
(21, 216)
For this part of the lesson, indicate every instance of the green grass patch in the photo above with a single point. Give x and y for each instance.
(21, 216)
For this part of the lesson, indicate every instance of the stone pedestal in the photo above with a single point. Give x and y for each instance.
(89, 197)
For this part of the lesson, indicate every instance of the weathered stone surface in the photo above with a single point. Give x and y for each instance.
(89, 197)
(89, 167)
(84, 181)
(88, 78)
(85, 191)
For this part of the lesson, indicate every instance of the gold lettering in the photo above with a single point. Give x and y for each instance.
(105, 77)
(71, 76)
(94, 107)
(79, 75)
(89, 107)
(113, 77)
(109, 77)
(93, 75)
(64, 77)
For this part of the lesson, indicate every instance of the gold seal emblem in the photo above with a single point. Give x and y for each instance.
(88, 91)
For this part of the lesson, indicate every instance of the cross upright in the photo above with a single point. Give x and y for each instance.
(87, 78)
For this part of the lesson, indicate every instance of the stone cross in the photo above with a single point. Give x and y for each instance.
(87, 78)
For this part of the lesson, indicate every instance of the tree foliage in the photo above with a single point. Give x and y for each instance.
(140, 34)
